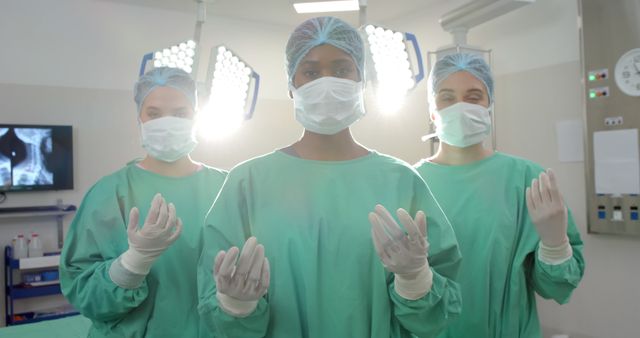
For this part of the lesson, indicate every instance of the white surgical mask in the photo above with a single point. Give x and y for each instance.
(463, 124)
(329, 104)
(168, 138)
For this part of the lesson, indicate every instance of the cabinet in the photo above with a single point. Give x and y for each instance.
(49, 285)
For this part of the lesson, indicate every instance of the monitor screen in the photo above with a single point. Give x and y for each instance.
(35, 157)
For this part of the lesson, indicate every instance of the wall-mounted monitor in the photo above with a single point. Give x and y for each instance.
(35, 157)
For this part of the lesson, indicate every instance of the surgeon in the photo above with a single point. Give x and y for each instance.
(129, 258)
(300, 242)
(516, 234)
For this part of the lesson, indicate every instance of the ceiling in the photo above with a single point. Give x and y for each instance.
(282, 12)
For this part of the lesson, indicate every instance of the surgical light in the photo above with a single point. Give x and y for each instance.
(178, 56)
(230, 103)
(394, 73)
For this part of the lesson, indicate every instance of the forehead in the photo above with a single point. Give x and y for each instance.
(461, 81)
(166, 97)
(326, 54)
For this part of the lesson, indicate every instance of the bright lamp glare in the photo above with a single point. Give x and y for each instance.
(225, 110)
(390, 98)
(392, 67)
(178, 56)
(216, 122)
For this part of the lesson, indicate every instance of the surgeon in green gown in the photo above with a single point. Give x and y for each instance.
(129, 258)
(299, 243)
(516, 235)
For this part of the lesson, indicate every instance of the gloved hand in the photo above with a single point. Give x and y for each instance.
(241, 284)
(160, 230)
(403, 254)
(547, 210)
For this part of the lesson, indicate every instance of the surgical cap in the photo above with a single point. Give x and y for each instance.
(324, 30)
(452, 63)
(165, 77)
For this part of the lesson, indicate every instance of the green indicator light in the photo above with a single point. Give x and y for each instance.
(592, 77)
(592, 95)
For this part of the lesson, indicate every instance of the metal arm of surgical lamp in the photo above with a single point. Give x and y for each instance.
(363, 12)
(197, 35)
(458, 21)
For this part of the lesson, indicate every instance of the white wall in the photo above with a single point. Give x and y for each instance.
(74, 62)
(99, 44)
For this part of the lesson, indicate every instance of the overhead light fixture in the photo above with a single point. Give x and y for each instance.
(180, 56)
(302, 6)
(233, 94)
(477, 12)
(394, 74)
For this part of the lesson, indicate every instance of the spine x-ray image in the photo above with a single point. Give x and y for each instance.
(23, 156)
(5, 164)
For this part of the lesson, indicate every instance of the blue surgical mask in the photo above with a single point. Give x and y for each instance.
(463, 124)
(329, 104)
(168, 138)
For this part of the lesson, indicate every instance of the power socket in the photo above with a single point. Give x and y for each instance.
(613, 121)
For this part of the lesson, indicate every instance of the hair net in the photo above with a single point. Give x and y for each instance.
(324, 30)
(452, 63)
(165, 77)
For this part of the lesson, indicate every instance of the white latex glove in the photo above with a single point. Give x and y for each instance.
(547, 210)
(403, 254)
(241, 284)
(160, 230)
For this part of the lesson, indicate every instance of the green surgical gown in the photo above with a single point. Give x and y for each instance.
(326, 278)
(165, 304)
(485, 202)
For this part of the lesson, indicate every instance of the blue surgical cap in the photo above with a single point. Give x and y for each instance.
(472, 63)
(165, 77)
(323, 30)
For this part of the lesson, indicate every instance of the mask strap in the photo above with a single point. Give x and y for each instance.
(427, 137)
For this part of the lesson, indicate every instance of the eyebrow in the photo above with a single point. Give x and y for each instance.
(475, 91)
(470, 91)
(342, 61)
(310, 63)
(338, 61)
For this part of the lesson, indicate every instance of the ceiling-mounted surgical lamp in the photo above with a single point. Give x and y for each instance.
(392, 69)
(231, 87)
(233, 94)
(177, 56)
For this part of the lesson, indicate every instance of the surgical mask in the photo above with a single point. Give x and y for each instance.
(463, 124)
(168, 138)
(329, 104)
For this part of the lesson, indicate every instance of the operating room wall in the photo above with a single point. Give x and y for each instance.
(100, 43)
